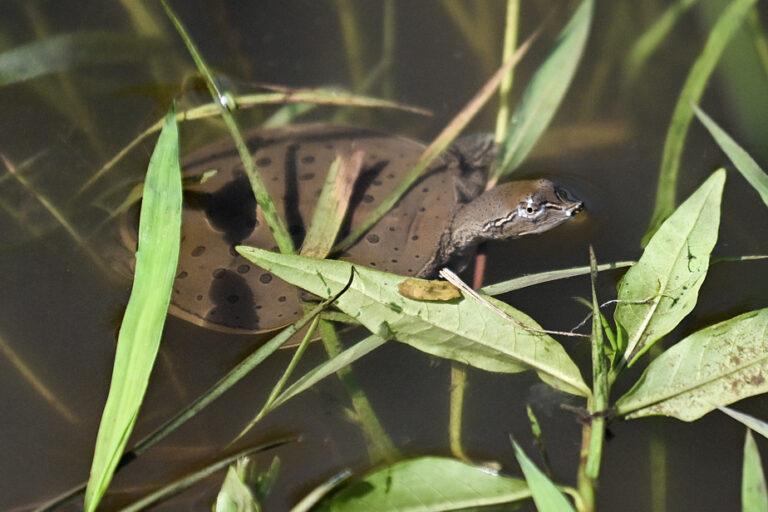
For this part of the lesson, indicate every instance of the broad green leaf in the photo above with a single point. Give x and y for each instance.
(139, 338)
(67, 51)
(545, 91)
(712, 367)
(662, 288)
(754, 424)
(461, 330)
(740, 158)
(721, 34)
(427, 484)
(546, 495)
(754, 495)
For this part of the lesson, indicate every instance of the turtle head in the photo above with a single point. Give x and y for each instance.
(521, 208)
(509, 210)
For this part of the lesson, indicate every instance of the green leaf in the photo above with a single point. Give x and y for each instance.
(754, 495)
(461, 330)
(652, 38)
(545, 277)
(754, 424)
(545, 91)
(235, 494)
(67, 51)
(662, 288)
(329, 367)
(693, 88)
(546, 495)
(139, 338)
(712, 367)
(427, 484)
(332, 205)
(740, 158)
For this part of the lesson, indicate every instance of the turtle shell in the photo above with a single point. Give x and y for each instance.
(217, 288)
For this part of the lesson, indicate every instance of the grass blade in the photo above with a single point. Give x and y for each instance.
(712, 367)
(325, 369)
(545, 277)
(752, 423)
(189, 480)
(296, 98)
(332, 205)
(139, 338)
(226, 103)
(740, 158)
(690, 94)
(662, 288)
(652, 39)
(67, 51)
(754, 494)
(545, 91)
(546, 495)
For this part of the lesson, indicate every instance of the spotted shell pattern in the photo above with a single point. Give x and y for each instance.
(219, 289)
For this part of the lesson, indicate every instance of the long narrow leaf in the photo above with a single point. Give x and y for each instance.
(740, 158)
(545, 91)
(652, 39)
(546, 495)
(693, 88)
(754, 494)
(139, 338)
(67, 51)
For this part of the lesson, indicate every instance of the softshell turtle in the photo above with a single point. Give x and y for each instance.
(440, 220)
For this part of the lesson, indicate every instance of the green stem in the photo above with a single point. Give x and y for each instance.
(510, 41)
(380, 446)
(458, 387)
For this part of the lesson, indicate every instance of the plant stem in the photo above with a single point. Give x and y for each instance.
(380, 446)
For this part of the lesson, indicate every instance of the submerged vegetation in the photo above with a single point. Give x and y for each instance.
(687, 373)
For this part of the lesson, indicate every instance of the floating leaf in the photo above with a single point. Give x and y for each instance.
(740, 158)
(662, 288)
(139, 338)
(712, 367)
(545, 91)
(465, 331)
(427, 484)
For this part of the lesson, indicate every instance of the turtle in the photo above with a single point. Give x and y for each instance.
(438, 222)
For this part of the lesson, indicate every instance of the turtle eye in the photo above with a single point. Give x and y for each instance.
(528, 209)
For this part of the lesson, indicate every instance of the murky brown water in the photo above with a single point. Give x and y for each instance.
(59, 312)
